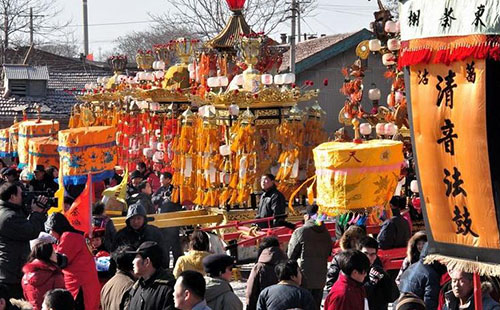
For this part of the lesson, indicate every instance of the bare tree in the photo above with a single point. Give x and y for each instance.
(208, 17)
(68, 47)
(15, 26)
(144, 40)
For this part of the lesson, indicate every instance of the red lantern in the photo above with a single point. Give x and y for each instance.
(236, 5)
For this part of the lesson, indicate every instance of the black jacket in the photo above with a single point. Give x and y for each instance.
(134, 238)
(284, 296)
(16, 230)
(162, 199)
(395, 233)
(272, 203)
(380, 288)
(144, 200)
(156, 293)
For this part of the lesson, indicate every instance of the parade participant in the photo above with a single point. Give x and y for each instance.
(136, 178)
(219, 293)
(423, 280)
(395, 232)
(348, 292)
(101, 220)
(272, 202)
(287, 294)
(115, 293)
(193, 260)
(101, 254)
(149, 176)
(80, 274)
(59, 299)
(461, 295)
(16, 230)
(311, 245)
(143, 197)
(155, 287)
(409, 301)
(263, 273)
(162, 201)
(189, 291)
(415, 246)
(380, 287)
(351, 239)
(137, 230)
(41, 274)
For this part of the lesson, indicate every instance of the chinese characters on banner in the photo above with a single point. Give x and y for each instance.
(449, 127)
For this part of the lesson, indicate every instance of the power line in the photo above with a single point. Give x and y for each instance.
(116, 24)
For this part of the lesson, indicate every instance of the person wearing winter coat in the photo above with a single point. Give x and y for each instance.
(395, 232)
(199, 245)
(114, 294)
(272, 202)
(137, 231)
(149, 176)
(154, 288)
(311, 245)
(287, 294)
(101, 220)
(423, 280)
(80, 273)
(348, 292)
(219, 293)
(263, 273)
(379, 286)
(143, 197)
(17, 228)
(415, 246)
(461, 295)
(41, 274)
(351, 239)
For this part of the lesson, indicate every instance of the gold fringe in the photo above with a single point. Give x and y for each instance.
(483, 269)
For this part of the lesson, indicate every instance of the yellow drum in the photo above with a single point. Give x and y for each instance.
(354, 176)
(29, 130)
(14, 138)
(43, 151)
(5, 143)
(87, 150)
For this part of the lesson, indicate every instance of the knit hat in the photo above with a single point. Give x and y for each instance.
(216, 264)
(410, 301)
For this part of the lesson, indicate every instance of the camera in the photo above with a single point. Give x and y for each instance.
(29, 197)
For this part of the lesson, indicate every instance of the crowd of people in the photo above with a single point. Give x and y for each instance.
(45, 263)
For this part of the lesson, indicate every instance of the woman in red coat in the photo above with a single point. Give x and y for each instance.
(41, 274)
(80, 275)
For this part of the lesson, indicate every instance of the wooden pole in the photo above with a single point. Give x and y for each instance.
(478, 298)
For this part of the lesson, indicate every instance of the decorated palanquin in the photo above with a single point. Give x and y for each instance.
(14, 138)
(355, 176)
(43, 151)
(29, 130)
(452, 63)
(87, 150)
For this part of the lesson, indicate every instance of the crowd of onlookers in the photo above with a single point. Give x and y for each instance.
(45, 263)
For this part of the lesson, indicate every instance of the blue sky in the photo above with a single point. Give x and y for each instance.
(110, 19)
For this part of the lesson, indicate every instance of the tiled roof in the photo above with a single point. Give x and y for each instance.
(23, 72)
(314, 47)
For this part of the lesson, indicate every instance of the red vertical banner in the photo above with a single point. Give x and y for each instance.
(80, 213)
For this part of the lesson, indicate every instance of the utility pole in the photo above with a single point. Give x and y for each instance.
(292, 36)
(31, 27)
(85, 29)
(298, 20)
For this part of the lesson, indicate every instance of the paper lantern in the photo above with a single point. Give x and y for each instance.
(29, 130)
(374, 94)
(374, 45)
(365, 129)
(288, 78)
(390, 27)
(354, 176)
(267, 79)
(278, 79)
(414, 186)
(388, 59)
(43, 151)
(213, 82)
(223, 81)
(390, 129)
(393, 44)
(88, 150)
(379, 128)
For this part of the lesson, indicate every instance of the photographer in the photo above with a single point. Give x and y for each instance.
(17, 228)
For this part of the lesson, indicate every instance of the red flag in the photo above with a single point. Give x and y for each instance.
(79, 215)
(90, 57)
